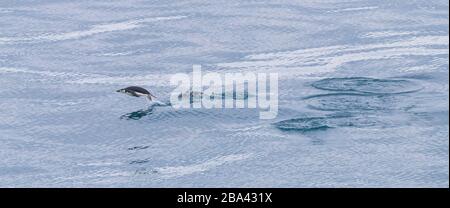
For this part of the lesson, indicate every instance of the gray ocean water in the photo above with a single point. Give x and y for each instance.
(363, 93)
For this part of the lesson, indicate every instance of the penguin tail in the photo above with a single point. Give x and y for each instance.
(151, 97)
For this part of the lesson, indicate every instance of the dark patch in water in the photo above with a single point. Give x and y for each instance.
(317, 141)
(367, 85)
(325, 122)
(136, 115)
(145, 171)
(418, 76)
(138, 147)
(439, 117)
(303, 124)
(139, 161)
(349, 102)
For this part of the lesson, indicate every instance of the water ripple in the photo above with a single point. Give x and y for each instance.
(306, 124)
(367, 85)
(354, 102)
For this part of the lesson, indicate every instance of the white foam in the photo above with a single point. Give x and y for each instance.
(174, 171)
(329, 50)
(90, 78)
(354, 9)
(96, 29)
(41, 73)
(127, 53)
(384, 34)
(315, 61)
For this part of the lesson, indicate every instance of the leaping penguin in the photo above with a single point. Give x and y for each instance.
(137, 92)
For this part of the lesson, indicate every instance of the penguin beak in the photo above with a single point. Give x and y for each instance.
(118, 90)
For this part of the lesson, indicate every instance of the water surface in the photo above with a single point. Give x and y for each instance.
(363, 94)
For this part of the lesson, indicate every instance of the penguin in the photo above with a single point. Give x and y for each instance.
(137, 92)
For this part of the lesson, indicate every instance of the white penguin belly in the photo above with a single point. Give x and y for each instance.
(140, 94)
